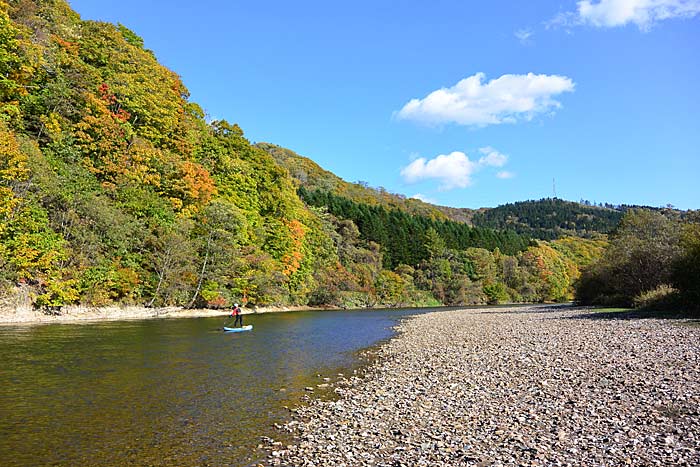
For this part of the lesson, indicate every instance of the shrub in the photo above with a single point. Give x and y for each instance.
(662, 297)
(496, 293)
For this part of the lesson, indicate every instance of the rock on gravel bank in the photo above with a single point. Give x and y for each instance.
(532, 386)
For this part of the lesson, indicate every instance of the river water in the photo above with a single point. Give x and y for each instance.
(171, 391)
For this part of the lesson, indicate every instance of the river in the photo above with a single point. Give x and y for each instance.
(169, 391)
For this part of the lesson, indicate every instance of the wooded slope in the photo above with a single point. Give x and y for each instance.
(115, 189)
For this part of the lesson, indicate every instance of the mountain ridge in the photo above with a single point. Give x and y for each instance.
(546, 218)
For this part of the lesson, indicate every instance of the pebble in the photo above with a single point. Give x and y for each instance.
(523, 386)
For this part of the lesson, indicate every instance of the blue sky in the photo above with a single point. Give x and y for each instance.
(466, 104)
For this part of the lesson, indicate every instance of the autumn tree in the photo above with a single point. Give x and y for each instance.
(548, 273)
(639, 259)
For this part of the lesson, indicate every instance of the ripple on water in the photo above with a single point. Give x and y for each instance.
(167, 392)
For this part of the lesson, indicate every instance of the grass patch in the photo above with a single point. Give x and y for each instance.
(613, 310)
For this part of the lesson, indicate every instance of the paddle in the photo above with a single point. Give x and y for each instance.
(226, 321)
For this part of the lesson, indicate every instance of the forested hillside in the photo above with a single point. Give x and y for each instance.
(117, 190)
(114, 189)
(403, 235)
(312, 177)
(550, 218)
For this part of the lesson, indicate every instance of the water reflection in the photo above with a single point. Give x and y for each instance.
(166, 392)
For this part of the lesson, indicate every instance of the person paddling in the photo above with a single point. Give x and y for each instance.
(236, 312)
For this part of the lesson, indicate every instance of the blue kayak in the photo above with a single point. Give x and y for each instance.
(244, 328)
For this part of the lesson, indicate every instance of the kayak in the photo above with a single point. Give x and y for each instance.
(244, 328)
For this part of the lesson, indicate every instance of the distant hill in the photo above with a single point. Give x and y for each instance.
(550, 218)
(546, 219)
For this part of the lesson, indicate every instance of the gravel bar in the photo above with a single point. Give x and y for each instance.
(512, 386)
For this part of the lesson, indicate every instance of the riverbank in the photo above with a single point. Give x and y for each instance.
(77, 314)
(525, 386)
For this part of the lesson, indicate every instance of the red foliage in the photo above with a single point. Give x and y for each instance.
(113, 104)
(217, 302)
(68, 46)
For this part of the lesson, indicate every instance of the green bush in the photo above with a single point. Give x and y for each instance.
(496, 293)
(661, 298)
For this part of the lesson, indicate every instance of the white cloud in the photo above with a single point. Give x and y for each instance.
(454, 170)
(492, 157)
(504, 174)
(612, 13)
(503, 100)
(424, 198)
(524, 36)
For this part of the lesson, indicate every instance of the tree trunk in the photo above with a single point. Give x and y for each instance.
(201, 275)
(161, 277)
